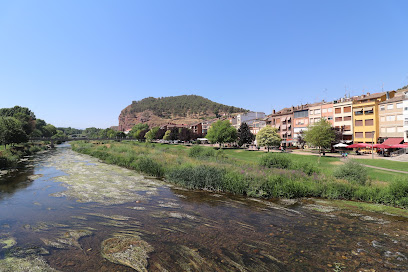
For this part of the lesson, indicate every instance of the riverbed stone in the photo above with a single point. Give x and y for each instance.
(29, 264)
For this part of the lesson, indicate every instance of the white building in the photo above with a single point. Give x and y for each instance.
(246, 117)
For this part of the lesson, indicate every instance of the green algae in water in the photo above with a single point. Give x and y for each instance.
(7, 242)
(101, 183)
(29, 264)
(68, 239)
(129, 250)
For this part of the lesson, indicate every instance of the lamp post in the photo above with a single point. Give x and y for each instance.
(372, 144)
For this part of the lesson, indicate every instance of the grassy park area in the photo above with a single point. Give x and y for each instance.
(254, 173)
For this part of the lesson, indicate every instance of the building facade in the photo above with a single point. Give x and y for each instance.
(343, 118)
(365, 116)
(246, 117)
(405, 112)
(391, 115)
(301, 121)
(283, 120)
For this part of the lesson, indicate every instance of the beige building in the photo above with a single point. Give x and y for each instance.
(391, 116)
(315, 113)
(343, 118)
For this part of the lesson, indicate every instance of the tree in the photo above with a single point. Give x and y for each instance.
(320, 135)
(59, 135)
(268, 136)
(174, 134)
(160, 134)
(245, 135)
(185, 134)
(301, 139)
(136, 129)
(151, 134)
(167, 135)
(11, 131)
(141, 135)
(49, 130)
(222, 132)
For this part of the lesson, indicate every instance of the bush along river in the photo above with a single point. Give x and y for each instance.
(64, 211)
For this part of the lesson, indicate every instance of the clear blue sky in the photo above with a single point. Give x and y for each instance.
(79, 63)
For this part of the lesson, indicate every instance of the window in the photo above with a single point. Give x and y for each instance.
(400, 129)
(324, 110)
(347, 128)
(369, 134)
(382, 118)
(330, 118)
(390, 118)
(317, 111)
(359, 135)
(400, 117)
(369, 122)
(339, 119)
(406, 108)
(330, 110)
(347, 118)
(359, 123)
(383, 129)
(390, 106)
(311, 112)
(391, 129)
(347, 109)
(406, 122)
(399, 105)
(337, 110)
(360, 112)
(382, 107)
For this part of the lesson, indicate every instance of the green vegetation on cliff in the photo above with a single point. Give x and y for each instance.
(182, 105)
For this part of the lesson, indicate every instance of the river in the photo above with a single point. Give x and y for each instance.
(63, 211)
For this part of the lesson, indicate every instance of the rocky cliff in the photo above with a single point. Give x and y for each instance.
(185, 109)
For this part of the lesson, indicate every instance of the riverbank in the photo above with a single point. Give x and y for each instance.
(217, 170)
(10, 156)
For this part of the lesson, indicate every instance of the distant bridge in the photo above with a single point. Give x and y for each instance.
(67, 139)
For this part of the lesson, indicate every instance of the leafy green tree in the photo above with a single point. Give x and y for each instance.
(174, 134)
(222, 132)
(160, 134)
(268, 136)
(111, 133)
(136, 129)
(11, 131)
(167, 135)
(49, 130)
(141, 135)
(59, 135)
(92, 132)
(151, 134)
(245, 135)
(320, 135)
(24, 115)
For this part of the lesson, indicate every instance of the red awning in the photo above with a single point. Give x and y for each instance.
(393, 141)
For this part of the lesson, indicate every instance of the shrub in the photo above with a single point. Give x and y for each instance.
(196, 151)
(398, 191)
(275, 160)
(148, 166)
(198, 177)
(352, 171)
(306, 167)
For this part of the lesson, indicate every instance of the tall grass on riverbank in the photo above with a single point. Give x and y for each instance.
(196, 168)
(10, 156)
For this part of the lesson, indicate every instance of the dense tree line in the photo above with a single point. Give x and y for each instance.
(18, 124)
(182, 106)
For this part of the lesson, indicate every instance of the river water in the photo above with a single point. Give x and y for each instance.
(63, 211)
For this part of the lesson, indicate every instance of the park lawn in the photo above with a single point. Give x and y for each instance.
(327, 164)
(396, 165)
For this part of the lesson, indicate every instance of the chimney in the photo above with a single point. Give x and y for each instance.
(388, 95)
(273, 111)
(368, 93)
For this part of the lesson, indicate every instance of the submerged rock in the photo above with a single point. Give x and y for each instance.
(29, 264)
(127, 250)
(7, 242)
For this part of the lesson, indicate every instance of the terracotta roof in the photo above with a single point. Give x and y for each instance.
(371, 96)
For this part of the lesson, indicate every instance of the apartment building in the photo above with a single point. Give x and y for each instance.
(365, 116)
(343, 118)
(283, 120)
(246, 117)
(405, 113)
(256, 125)
(301, 121)
(391, 115)
(315, 112)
